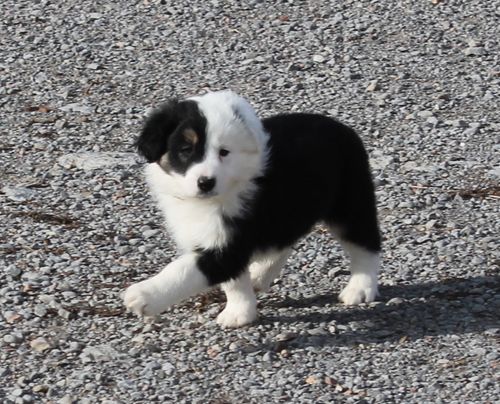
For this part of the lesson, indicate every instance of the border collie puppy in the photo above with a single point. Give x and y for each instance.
(238, 192)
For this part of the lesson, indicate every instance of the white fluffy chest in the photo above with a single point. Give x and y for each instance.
(194, 224)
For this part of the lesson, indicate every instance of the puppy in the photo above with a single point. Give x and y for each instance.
(238, 192)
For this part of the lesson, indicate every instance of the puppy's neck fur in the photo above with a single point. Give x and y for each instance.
(198, 222)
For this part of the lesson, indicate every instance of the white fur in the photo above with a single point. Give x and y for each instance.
(178, 280)
(193, 222)
(220, 108)
(265, 268)
(365, 266)
(241, 306)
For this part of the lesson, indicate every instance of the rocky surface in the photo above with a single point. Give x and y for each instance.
(420, 81)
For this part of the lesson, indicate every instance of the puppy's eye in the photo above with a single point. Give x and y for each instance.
(223, 152)
(185, 151)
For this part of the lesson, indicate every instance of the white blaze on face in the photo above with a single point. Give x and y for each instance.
(232, 126)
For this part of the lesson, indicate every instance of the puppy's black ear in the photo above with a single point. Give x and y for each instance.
(153, 140)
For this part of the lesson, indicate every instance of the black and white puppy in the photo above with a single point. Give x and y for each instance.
(238, 192)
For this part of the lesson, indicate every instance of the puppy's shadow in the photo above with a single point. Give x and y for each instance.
(453, 306)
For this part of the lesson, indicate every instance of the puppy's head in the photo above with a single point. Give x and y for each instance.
(210, 146)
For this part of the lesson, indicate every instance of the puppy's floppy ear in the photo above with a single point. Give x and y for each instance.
(153, 140)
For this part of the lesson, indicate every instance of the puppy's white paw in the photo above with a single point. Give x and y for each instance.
(361, 288)
(235, 315)
(143, 300)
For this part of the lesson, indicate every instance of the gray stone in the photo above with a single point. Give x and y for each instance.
(286, 336)
(89, 161)
(80, 108)
(66, 400)
(40, 310)
(373, 86)
(396, 300)
(13, 271)
(40, 344)
(267, 357)
(425, 114)
(475, 51)
(13, 338)
(19, 194)
(150, 233)
(101, 353)
(318, 58)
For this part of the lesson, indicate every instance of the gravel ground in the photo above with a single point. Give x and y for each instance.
(419, 80)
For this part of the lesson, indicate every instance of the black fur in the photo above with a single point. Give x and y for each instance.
(163, 132)
(318, 171)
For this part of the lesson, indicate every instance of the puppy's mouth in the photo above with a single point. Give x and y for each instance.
(206, 195)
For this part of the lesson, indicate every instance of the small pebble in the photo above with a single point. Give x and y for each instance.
(39, 344)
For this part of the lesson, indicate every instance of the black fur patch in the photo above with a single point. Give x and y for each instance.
(318, 171)
(167, 129)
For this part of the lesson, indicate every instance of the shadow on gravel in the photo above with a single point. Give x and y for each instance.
(406, 312)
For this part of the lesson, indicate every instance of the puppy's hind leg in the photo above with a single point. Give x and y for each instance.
(241, 306)
(266, 268)
(364, 266)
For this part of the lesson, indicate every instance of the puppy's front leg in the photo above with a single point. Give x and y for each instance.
(177, 281)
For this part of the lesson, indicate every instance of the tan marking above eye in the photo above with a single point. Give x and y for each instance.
(190, 136)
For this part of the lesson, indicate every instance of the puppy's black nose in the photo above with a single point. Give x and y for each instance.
(206, 184)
